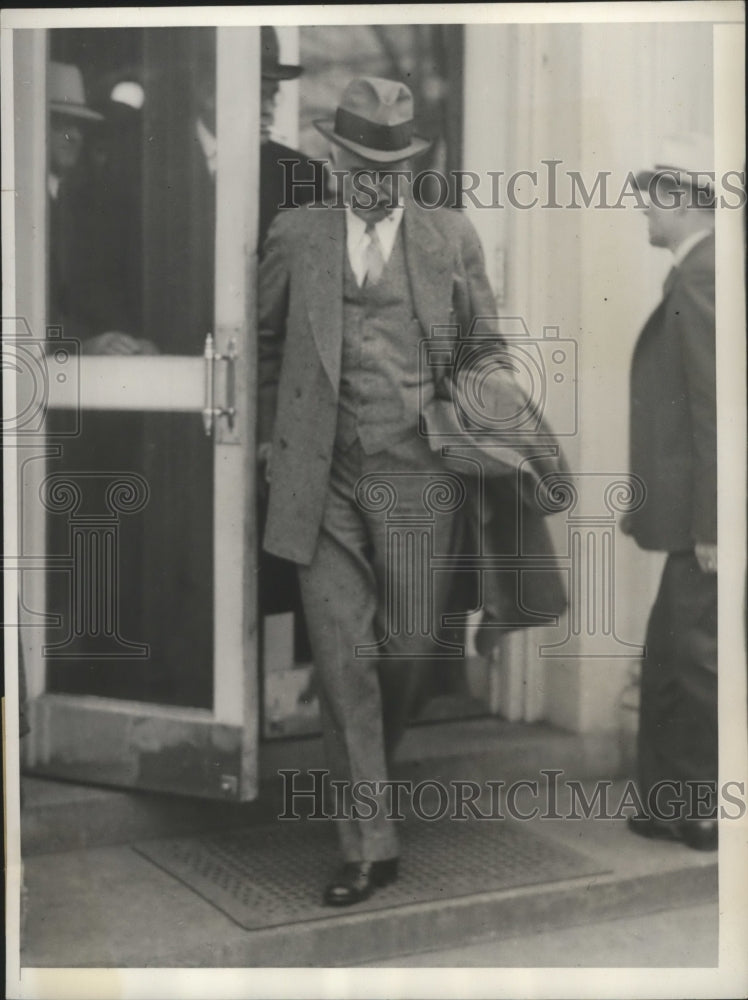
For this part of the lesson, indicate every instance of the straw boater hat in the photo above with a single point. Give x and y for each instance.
(683, 161)
(375, 120)
(66, 93)
(271, 67)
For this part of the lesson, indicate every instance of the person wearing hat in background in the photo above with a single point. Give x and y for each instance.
(275, 176)
(87, 293)
(345, 297)
(273, 183)
(673, 446)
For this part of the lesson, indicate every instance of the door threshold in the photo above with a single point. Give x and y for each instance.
(62, 816)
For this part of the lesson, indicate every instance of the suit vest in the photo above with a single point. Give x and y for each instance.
(381, 388)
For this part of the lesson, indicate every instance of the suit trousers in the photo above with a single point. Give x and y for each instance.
(372, 609)
(677, 739)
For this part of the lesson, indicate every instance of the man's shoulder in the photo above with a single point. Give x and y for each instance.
(699, 262)
(303, 221)
(452, 223)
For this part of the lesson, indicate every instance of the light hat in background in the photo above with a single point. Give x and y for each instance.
(683, 161)
(375, 120)
(66, 93)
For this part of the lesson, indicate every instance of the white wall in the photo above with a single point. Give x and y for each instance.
(595, 97)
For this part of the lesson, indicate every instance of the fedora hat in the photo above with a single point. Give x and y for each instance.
(66, 93)
(683, 160)
(375, 120)
(271, 68)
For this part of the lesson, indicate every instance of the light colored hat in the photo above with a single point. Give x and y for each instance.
(688, 157)
(375, 120)
(66, 93)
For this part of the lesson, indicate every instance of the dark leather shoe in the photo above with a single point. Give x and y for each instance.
(356, 881)
(653, 829)
(700, 834)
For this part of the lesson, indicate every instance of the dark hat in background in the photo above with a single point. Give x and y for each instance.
(375, 120)
(66, 94)
(271, 66)
(682, 162)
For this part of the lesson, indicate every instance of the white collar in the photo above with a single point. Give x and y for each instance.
(386, 229)
(683, 249)
(53, 186)
(357, 239)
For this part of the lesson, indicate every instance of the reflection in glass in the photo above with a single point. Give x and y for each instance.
(131, 260)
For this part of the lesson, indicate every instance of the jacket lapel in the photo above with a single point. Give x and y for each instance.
(429, 260)
(323, 278)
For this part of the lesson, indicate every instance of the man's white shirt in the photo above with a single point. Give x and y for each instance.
(357, 239)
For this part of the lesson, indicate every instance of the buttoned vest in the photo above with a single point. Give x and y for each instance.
(381, 388)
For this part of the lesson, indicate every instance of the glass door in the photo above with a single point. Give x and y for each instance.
(136, 259)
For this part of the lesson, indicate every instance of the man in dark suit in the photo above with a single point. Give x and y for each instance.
(347, 293)
(674, 451)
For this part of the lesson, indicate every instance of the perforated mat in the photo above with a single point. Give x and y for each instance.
(274, 875)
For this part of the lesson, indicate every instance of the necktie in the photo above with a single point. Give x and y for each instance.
(373, 256)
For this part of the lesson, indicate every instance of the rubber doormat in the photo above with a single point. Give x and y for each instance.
(273, 875)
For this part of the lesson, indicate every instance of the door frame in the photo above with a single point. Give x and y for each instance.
(112, 741)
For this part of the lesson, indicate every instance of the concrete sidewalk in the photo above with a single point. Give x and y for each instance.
(681, 938)
(108, 906)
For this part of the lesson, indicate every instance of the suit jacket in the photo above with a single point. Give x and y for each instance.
(274, 182)
(300, 342)
(674, 411)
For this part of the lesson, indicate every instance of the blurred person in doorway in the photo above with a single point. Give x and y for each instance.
(87, 288)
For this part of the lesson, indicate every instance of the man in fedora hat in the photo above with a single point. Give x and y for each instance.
(279, 164)
(274, 175)
(347, 293)
(673, 445)
(87, 291)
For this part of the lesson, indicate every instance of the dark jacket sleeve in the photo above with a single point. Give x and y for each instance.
(694, 316)
(274, 281)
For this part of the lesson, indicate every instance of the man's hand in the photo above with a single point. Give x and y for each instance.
(706, 556)
(264, 457)
(115, 342)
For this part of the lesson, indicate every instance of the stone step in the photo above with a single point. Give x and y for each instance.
(61, 816)
(110, 906)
